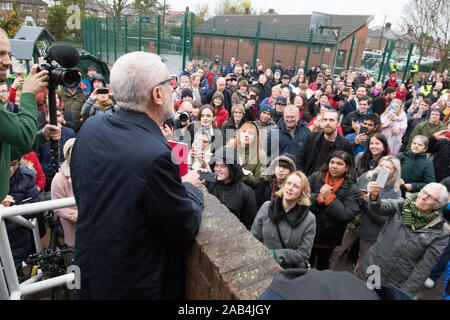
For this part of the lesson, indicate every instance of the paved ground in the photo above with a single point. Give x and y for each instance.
(435, 293)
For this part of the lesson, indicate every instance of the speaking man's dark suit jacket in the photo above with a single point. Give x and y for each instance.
(136, 218)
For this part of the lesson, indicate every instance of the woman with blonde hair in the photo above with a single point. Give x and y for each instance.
(394, 123)
(250, 153)
(183, 82)
(371, 223)
(285, 225)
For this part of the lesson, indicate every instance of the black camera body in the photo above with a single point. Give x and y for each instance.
(60, 76)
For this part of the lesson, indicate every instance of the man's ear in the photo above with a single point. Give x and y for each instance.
(157, 96)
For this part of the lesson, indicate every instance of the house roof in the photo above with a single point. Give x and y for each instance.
(388, 33)
(282, 27)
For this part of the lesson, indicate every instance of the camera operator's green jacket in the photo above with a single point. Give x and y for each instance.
(18, 136)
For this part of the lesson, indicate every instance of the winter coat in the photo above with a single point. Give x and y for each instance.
(73, 103)
(22, 186)
(394, 131)
(136, 218)
(371, 223)
(298, 240)
(331, 220)
(405, 257)
(446, 282)
(230, 125)
(40, 176)
(62, 188)
(441, 161)
(416, 169)
(306, 157)
(221, 116)
(238, 98)
(90, 108)
(236, 196)
(349, 106)
(284, 142)
(425, 128)
(412, 123)
(252, 164)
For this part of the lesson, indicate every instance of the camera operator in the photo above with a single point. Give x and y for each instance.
(251, 106)
(182, 118)
(18, 131)
(99, 101)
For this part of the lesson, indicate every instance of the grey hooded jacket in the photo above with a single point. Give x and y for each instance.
(405, 257)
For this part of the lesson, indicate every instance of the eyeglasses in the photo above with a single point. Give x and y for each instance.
(172, 78)
(427, 195)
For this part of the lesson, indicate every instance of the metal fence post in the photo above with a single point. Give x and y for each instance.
(351, 51)
(115, 38)
(383, 60)
(100, 37)
(191, 36)
(107, 40)
(95, 36)
(139, 33)
(223, 45)
(255, 51)
(158, 36)
(238, 43)
(295, 55)
(126, 34)
(273, 50)
(405, 72)
(184, 41)
(388, 58)
(309, 48)
(356, 54)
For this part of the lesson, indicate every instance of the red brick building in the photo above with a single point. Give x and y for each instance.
(34, 8)
(281, 37)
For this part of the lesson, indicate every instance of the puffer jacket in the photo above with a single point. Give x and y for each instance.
(332, 220)
(416, 169)
(405, 257)
(298, 240)
(90, 108)
(22, 186)
(371, 223)
(236, 195)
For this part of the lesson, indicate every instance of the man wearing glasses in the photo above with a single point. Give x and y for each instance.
(136, 216)
(411, 241)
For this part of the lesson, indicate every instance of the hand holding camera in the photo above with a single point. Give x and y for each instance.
(35, 80)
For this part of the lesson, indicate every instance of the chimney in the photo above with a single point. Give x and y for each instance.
(388, 25)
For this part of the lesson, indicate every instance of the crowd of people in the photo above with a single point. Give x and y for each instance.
(296, 155)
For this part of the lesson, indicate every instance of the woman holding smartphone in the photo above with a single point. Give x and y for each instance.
(371, 223)
(99, 102)
(394, 123)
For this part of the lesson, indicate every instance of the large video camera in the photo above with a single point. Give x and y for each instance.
(59, 59)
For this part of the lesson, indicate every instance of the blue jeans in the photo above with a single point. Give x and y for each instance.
(440, 266)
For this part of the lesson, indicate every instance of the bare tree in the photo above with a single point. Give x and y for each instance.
(442, 32)
(419, 23)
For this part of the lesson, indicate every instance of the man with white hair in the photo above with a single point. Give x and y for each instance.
(412, 239)
(136, 215)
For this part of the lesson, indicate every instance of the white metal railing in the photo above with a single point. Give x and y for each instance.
(9, 281)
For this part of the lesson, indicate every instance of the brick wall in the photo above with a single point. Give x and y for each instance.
(208, 47)
(226, 261)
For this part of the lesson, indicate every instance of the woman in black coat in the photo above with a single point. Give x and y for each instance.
(334, 202)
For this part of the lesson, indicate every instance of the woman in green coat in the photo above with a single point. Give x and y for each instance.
(417, 169)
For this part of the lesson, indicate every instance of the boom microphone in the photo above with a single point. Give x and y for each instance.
(67, 56)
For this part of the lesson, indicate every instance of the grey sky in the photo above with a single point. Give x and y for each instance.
(378, 8)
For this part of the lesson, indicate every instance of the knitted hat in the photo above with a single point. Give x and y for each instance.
(218, 94)
(92, 67)
(265, 107)
(186, 92)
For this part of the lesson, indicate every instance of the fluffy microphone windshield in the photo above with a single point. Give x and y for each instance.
(67, 56)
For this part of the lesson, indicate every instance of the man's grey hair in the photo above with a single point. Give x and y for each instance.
(133, 77)
(291, 107)
(443, 192)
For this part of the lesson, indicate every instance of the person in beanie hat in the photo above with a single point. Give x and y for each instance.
(186, 95)
(217, 103)
(90, 71)
(278, 110)
(265, 122)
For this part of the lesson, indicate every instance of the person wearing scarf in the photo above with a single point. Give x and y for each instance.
(285, 225)
(413, 238)
(98, 103)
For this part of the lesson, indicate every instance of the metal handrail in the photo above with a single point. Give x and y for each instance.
(9, 281)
